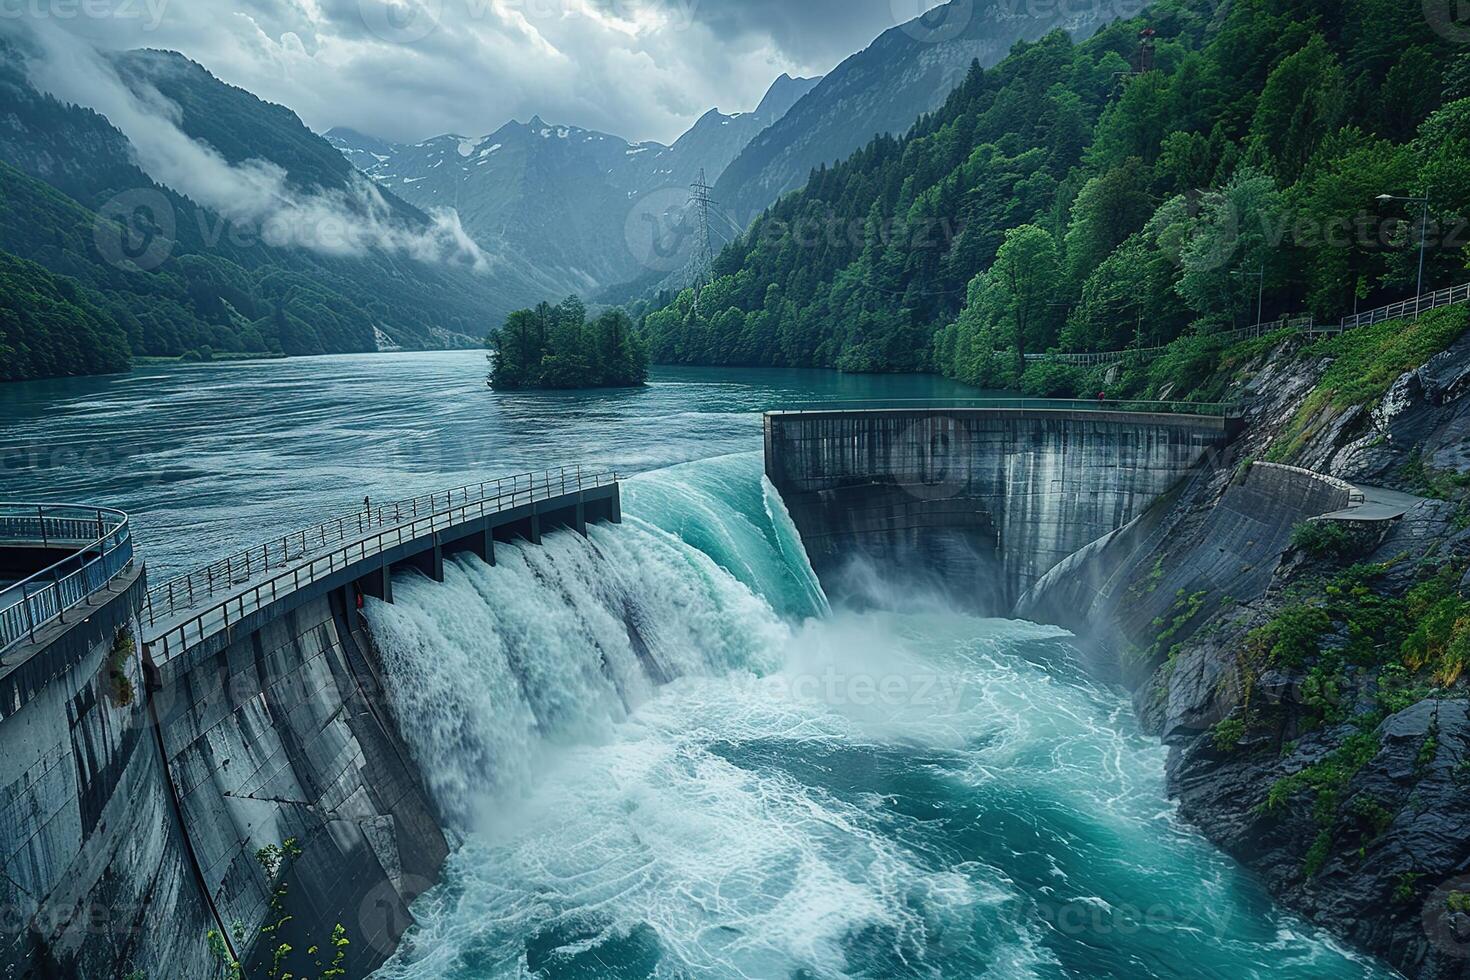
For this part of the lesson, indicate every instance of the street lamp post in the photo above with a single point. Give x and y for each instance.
(1260, 289)
(1423, 237)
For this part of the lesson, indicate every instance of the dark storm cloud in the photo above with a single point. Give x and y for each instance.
(409, 69)
(819, 32)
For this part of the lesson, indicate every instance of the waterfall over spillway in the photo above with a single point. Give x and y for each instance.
(556, 642)
(669, 758)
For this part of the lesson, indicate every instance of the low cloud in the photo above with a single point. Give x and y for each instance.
(254, 195)
(410, 69)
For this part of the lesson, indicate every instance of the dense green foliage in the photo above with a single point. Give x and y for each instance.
(52, 325)
(1416, 642)
(555, 347)
(217, 285)
(1326, 539)
(1059, 202)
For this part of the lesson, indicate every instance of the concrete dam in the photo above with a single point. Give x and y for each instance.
(979, 501)
(162, 745)
(163, 742)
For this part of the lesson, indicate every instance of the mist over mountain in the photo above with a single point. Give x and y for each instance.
(215, 222)
(567, 199)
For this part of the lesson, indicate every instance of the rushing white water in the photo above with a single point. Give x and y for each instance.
(670, 758)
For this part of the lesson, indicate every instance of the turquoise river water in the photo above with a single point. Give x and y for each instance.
(662, 751)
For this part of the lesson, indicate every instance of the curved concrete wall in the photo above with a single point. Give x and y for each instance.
(277, 736)
(96, 878)
(1114, 590)
(984, 501)
(129, 832)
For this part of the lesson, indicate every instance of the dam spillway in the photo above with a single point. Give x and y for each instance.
(979, 501)
(158, 742)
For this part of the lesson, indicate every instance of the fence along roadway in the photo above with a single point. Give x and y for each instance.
(192, 607)
(1305, 325)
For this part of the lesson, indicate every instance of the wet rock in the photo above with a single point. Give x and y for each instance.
(1199, 681)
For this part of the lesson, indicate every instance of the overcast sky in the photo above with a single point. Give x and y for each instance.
(410, 69)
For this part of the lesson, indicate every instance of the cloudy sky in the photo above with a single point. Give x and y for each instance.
(410, 69)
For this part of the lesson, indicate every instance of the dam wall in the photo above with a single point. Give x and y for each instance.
(277, 737)
(192, 777)
(96, 880)
(980, 502)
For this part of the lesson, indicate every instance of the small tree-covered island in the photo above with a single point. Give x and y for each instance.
(556, 347)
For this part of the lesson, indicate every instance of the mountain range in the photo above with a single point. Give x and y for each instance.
(908, 71)
(572, 201)
(580, 204)
(444, 237)
(155, 272)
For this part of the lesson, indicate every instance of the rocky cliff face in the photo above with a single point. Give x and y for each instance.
(1306, 683)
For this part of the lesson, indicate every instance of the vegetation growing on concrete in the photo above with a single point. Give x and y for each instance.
(229, 968)
(120, 685)
(273, 860)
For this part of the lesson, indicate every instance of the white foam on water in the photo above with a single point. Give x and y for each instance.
(659, 771)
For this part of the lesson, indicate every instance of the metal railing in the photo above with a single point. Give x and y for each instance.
(1302, 324)
(255, 577)
(1095, 358)
(1409, 307)
(1140, 406)
(101, 544)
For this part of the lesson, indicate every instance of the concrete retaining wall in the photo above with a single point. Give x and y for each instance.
(1114, 590)
(982, 501)
(131, 828)
(275, 738)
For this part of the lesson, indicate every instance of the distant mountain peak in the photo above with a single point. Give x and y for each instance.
(511, 186)
(907, 71)
(784, 93)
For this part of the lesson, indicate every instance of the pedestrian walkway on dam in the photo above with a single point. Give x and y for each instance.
(206, 602)
(1126, 406)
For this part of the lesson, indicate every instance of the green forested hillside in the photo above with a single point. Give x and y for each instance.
(216, 285)
(52, 325)
(1067, 200)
